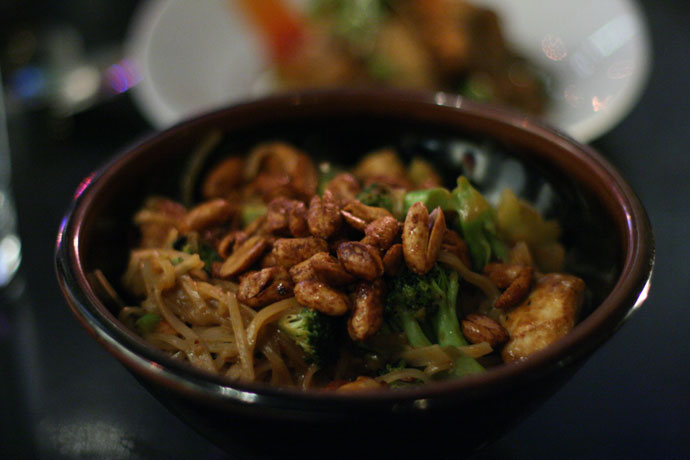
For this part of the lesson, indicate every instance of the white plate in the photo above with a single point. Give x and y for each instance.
(194, 56)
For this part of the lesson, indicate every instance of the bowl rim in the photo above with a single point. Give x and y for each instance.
(627, 295)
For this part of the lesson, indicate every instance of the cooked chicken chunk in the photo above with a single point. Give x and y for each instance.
(546, 315)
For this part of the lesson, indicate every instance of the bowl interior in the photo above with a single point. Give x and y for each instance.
(495, 149)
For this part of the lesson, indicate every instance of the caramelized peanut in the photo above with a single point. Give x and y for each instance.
(297, 220)
(453, 243)
(367, 310)
(380, 163)
(229, 242)
(480, 328)
(278, 215)
(360, 259)
(291, 251)
(328, 269)
(422, 237)
(287, 171)
(243, 256)
(358, 215)
(206, 214)
(223, 178)
(344, 188)
(323, 216)
(515, 279)
(393, 260)
(382, 232)
(319, 296)
(303, 271)
(260, 288)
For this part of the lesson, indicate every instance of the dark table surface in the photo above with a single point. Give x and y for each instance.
(63, 397)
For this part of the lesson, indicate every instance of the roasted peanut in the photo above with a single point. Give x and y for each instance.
(382, 232)
(303, 271)
(480, 328)
(360, 259)
(263, 287)
(422, 237)
(278, 215)
(393, 260)
(223, 178)
(344, 188)
(367, 310)
(285, 216)
(244, 256)
(358, 215)
(328, 269)
(268, 260)
(380, 163)
(501, 274)
(210, 213)
(285, 167)
(297, 220)
(272, 185)
(291, 251)
(319, 296)
(230, 241)
(515, 279)
(453, 243)
(323, 216)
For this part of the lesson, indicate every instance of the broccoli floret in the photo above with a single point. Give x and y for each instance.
(378, 195)
(409, 305)
(193, 246)
(416, 303)
(315, 332)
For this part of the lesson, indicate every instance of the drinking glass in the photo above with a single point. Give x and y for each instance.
(10, 245)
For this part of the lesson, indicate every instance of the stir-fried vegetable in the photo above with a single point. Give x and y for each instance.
(476, 218)
(376, 277)
(424, 307)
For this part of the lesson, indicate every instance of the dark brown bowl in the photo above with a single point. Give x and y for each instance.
(605, 228)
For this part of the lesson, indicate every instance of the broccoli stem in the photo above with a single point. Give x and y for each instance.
(447, 324)
(448, 329)
(414, 332)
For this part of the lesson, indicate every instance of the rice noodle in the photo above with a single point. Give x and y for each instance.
(246, 356)
(482, 282)
(308, 376)
(267, 315)
(280, 375)
(407, 374)
(432, 358)
(476, 350)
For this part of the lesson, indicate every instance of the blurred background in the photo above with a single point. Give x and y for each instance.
(74, 94)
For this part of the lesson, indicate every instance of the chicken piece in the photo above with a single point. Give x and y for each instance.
(546, 315)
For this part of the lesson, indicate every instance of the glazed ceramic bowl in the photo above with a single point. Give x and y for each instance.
(604, 226)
